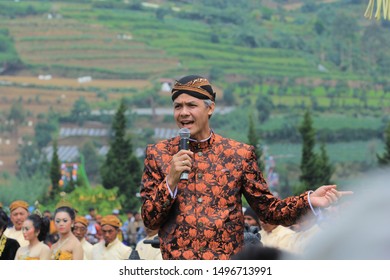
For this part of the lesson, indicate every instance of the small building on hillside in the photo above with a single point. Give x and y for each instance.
(166, 84)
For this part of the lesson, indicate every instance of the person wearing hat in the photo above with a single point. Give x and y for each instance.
(200, 217)
(251, 218)
(110, 248)
(80, 229)
(116, 213)
(8, 246)
(19, 213)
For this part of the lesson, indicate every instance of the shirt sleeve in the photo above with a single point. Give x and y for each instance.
(157, 198)
(268, 207)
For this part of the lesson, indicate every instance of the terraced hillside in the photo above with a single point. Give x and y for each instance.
(86, 49)
(120, 42)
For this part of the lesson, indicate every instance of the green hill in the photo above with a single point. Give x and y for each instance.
(223, 39)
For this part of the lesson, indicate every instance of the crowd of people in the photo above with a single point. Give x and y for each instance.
(67, 235)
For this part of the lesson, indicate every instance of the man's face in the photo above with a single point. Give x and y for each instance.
(79, 230)
(109, 233)
(192, 113)
(18, 216)
(249, 220)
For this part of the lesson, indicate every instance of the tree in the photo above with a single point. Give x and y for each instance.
(43, 132)
(309, 163)
(16, 115)
(31, 162)
(384, 159)
(81, 110)
(264, 107)
(162, 11)
(121, 168)
(55, 172)
(92, 161)
(325, 168)
(228, 96)
(343, 31)
(254, 139)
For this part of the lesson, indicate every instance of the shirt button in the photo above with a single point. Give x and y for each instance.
(200, 153)
(200, 175)
(200, 199)
(200, 224)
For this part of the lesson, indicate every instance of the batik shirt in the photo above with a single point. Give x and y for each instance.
(205, 219)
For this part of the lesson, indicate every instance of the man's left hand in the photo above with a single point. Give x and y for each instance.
(324, 196)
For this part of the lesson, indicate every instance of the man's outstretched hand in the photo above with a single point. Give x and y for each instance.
(324, 196)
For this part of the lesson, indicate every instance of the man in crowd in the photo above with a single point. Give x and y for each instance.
(19, 213)
(110, 248)
(80, 229)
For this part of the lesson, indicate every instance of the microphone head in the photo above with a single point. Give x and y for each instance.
(184, 132)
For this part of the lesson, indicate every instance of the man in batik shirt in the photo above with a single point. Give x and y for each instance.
(202, 218)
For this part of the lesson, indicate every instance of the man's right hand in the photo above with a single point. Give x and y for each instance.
(182, 161)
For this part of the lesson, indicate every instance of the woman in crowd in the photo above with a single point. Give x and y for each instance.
(35, 229)
(68, 247)
(8, 246)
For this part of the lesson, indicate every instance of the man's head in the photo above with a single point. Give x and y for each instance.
(19, 213)
(47, 213)
(99, 218)
(251, 218)
(80, 227)
(110, 228)
(137, 216)
(193, 102)
(194, 85)
(129, 214)
(92, 212)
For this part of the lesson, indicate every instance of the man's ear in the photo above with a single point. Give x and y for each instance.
(211, 109)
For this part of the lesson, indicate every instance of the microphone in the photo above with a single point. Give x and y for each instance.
(155, 242)
(184, 134)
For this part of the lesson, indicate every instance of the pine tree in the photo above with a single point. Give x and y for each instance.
(55, 172)
(325, 168)
(384, 160)
(309, 163)
(254, 139)
(92, 161)
(121, 168)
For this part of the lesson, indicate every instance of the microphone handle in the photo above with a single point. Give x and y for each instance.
(184, 145)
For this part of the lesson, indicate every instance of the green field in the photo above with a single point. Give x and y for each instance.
(329, 121)
(357, 151)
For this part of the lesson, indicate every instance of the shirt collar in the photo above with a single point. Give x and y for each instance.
(202, 144)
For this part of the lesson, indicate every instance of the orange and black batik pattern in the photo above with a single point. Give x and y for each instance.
(205, 219)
